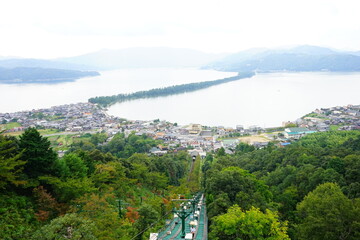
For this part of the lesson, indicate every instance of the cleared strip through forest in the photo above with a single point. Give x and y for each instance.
(166, 91)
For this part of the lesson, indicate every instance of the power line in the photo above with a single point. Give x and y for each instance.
(151, 225)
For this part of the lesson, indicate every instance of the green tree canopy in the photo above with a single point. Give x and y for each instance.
(251, 224)
(72, 166)
(10, 164)
(244, 148)
(326, 213)
(240, 186)
(69, 226)
(16, 217)
(37, 153)
(147, 216)
(69, 189)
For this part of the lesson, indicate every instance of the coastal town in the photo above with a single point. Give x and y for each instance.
(82, 118)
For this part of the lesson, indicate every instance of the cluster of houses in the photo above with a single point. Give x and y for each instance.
(83, 117)
(345, 117)
(72, 118)
(194, 138)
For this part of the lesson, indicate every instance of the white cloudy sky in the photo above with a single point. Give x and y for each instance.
(56, 28)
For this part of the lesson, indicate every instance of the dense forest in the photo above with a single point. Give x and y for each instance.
(167, 91)
(311, 188)
(96, 191)
(41, 75)
(112, 189)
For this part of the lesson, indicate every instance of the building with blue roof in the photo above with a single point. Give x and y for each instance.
(296, 133)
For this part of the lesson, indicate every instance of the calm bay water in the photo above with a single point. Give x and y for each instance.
(265, 100)
(18, 97)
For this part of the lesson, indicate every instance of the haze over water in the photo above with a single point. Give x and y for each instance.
(19, 97)
(265, 100)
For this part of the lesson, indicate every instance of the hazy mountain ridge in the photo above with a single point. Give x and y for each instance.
(301, 58)
(41, 75)
(146, 57)
(6, 62)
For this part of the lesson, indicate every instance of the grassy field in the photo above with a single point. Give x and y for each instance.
(9, 125)
(48, 131)
(14, 134)
(63, 142)
(59, 140)
(334, 127)
(41, 131)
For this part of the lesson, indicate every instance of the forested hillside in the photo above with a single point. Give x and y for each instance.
(112, 189)
(96, 191)
(312, 186)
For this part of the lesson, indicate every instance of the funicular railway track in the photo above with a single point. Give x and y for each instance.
(174, 229)
(192, 212)
(191, 169)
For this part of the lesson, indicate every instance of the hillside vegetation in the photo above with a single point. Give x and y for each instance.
(311, 185)
(101, 191)
(111, 189)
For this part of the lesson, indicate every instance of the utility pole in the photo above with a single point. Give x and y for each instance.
(195, 201)
(182, 214)
(119, 206)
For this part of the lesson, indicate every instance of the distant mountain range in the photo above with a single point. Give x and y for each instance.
(302, 58)
(41, 63)
(149, 57)
(146, 57)
(41, 75)
(30, 70)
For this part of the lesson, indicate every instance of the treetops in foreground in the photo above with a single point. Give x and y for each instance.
(308, 190)
(313, 185)
(90, 193)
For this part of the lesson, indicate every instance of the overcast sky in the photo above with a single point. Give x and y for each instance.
(57, 28)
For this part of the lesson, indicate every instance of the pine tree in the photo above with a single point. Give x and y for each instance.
(37, 152)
